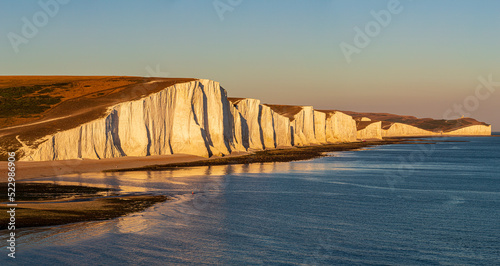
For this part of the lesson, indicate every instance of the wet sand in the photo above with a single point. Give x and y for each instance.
(28, 170)
(41, 204)
(274, 155)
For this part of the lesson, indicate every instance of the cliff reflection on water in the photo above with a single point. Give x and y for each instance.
(179, 180)
(207, 182)
(340, 210)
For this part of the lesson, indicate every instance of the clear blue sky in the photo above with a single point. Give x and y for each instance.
(427, 59)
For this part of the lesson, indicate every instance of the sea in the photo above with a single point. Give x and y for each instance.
(403, 204)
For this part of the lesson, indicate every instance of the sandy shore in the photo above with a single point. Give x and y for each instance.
(26, 170)
(286, 154)
(29, 170)
(48, 204)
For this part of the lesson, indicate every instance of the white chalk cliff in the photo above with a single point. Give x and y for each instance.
(369, 130)
(197, 118)
(475, 130)
(404, 130)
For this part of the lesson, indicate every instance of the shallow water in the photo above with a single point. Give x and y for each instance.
(397, 204)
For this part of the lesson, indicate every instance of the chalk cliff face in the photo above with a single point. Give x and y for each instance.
(303, 127)
(403, 130)
(320, 127)
(476, 130)
(369, 130)
(266, 122)
(250, 111)
(196, 117)
(263, 128)
(283, 133)
(340, 127)
(191, 118)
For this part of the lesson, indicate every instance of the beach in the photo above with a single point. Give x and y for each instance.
(62, 205)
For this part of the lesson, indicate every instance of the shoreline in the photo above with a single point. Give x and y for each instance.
(42, 204)
(26, 170)
(280, 154)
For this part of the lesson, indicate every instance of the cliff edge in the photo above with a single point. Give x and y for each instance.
(109, 117)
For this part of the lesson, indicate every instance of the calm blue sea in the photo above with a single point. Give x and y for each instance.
(405, 204)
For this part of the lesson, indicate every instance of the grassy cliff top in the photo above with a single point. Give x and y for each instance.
(32, 107)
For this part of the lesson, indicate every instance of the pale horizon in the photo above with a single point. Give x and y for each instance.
(423, 63)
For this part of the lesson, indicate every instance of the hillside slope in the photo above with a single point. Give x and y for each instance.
(429, 124)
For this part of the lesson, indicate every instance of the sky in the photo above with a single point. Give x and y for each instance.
(426, 58)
